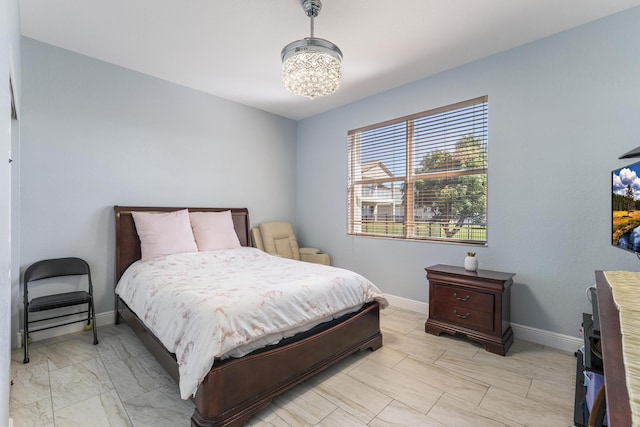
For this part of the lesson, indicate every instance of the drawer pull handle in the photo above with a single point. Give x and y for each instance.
(461, 316)
(455, 295)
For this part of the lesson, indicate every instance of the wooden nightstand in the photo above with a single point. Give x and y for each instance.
(475, 304)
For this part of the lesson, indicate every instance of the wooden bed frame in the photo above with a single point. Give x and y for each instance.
(235, 389)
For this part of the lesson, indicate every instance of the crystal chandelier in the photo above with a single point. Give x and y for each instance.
(311, 67)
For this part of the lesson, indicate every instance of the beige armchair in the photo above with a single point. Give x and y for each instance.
(277, 238)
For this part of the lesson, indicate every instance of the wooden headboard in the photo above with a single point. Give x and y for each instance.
(128, 243)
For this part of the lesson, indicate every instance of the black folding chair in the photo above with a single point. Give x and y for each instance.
(47, 269)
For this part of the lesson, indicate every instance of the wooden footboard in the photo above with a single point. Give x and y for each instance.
(236, 389)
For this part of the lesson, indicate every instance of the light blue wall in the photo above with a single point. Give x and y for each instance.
(96, 135)
(561, 111)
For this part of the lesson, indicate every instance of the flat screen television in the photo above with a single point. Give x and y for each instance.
(625, 207)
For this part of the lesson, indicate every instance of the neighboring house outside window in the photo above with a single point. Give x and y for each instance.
(422, 177)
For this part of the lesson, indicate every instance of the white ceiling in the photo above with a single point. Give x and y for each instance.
(231, 48)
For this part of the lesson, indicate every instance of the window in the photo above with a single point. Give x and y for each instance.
(421, 177)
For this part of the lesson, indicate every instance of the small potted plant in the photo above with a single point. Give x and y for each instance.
(471, 262)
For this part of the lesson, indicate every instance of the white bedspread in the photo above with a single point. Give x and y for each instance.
(207, 305)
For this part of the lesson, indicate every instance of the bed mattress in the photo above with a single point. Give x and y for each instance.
(208, 306)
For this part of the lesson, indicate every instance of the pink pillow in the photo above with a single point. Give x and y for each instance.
(214, 230)
(164, 233)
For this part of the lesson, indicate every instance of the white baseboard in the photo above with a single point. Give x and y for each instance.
(547, 338)
(408, 304)
(526, 333)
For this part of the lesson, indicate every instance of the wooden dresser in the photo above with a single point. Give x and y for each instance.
(617, 394)
(474, 304)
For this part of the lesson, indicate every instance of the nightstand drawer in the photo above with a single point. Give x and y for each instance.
(463, 298)
(464, 316)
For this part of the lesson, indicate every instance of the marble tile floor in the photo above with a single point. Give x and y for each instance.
(415, 379)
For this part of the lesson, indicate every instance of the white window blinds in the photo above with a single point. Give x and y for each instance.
(422, 176)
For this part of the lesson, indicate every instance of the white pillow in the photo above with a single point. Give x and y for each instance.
(164, 233)
(214, 230)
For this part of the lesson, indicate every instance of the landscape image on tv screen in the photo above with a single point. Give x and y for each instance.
(625, 207)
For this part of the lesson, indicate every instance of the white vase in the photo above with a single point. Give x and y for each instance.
(470, 263)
